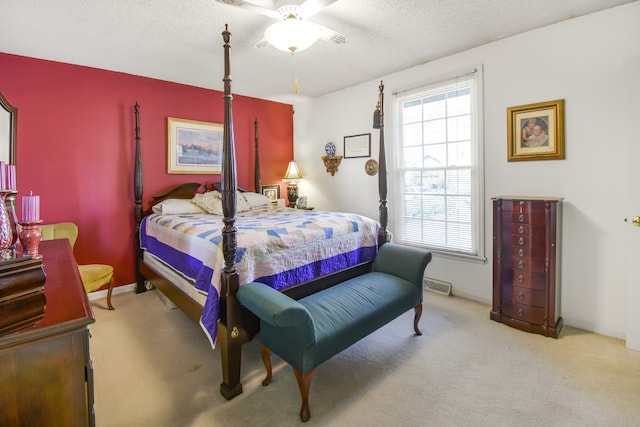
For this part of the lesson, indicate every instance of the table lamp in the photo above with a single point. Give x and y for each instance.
(292, 175)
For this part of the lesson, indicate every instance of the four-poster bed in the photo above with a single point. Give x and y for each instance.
(231, 324)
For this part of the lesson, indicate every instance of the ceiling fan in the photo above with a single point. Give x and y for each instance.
(292, 33)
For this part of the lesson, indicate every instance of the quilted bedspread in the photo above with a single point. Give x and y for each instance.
(277, 246)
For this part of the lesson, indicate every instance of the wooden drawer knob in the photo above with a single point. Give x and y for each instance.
(521, 296)
(521, 241)
(521, 278)
(521, 218)
(520, 312)
(521, 229)
(520, 252)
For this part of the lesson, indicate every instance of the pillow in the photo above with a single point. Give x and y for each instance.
(242, 205)
(211, 202)
(176, 207)
(255, 199)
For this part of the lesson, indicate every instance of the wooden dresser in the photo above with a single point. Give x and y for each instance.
(46, 377)
(526, 263)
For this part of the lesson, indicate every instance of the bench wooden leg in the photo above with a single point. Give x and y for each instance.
(266, 359)
(304, 382)
(416, 318)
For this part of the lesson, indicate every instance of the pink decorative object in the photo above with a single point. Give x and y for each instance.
(6, 236)
(11, 178)
(30, 208)
(30, 237)
(10, 206)
(3, 176)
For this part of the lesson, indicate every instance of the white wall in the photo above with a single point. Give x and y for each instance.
(580, 61)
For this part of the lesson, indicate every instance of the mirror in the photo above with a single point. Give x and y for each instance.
(8, 126)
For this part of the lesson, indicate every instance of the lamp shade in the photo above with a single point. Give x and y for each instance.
(291, 35)
(293, 172)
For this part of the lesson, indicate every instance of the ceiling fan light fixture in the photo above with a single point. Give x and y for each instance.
(291, 35)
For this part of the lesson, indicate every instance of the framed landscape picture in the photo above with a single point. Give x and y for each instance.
(194, 147)
(536, 131)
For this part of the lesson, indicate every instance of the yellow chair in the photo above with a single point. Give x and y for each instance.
(94, 276)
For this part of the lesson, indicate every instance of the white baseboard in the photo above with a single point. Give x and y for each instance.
(117, 290)
(591, 327)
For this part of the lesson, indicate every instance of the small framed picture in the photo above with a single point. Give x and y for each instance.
(301, 202)
(536, 131)
(272, 192)
(357, 146)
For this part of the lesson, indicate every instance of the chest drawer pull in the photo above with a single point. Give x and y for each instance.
(521, 296)
(520, 312)
(521, 264)
(521, 278)
(521, 241)
(521, 218)
(520, 252)
(521, 229)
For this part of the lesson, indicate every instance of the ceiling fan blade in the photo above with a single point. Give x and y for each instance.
(329, 35)
(252, 7)
(311, 7)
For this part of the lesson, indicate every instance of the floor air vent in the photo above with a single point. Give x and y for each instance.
(438, 286)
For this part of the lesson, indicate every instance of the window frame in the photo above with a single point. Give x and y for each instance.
(475, 76)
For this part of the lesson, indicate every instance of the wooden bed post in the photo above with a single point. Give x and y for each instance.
(231, 348)
(137, 194)
(256, 175)
(383, 234)
(237, 325)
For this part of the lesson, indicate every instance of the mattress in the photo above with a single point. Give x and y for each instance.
(277, 246)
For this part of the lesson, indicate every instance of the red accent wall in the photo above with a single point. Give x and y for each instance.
(76, 146)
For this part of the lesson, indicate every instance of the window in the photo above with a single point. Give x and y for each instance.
(438, 168)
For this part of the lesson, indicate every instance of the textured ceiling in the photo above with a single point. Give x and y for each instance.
(180, 41)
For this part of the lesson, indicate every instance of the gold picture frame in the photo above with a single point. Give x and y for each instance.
(194, 147)
(536, 131)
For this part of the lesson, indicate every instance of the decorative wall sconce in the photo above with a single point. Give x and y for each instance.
(332, 163)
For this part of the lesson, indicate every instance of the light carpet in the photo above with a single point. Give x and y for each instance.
(154, 367)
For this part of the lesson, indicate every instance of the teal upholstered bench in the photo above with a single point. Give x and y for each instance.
(308, 332)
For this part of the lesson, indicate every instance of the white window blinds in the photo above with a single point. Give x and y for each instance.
(438, 173)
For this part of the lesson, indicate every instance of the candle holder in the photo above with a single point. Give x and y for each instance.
(10, 205)
(6, 235)
(30, 236)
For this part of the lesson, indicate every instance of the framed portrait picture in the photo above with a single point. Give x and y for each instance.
(357, 146)
(194, 147)
(536, 131)
(272, 192)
